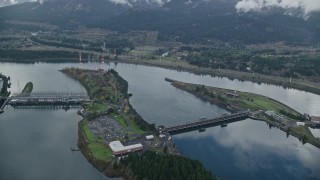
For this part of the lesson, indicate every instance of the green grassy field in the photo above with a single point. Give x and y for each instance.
(107, 92)
(28, 88)
(257, 102)
(121, 120)
(87, 131)
(253, 102)
(96, 108)
(305, 135)
(140, 53)
(100, 151)
(135, 127)
(245, 100)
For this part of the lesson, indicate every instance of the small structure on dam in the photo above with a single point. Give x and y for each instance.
(224, 119)
(48, 98)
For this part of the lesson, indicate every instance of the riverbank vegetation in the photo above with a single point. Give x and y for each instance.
(14, 55)
(100, 151)
(110, 99)
(5, 84)
(263, 108)
(182, 65)
(27, 88)
(236, 100)
(108, 92)
(296, 66)
(288, 63)
(150, 165)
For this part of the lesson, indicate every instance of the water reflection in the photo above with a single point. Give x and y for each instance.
(36, 145)
(252, 151)
(243, 150)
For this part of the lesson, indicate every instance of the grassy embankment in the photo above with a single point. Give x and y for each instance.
(254, 102)
(98, 153)
(28, 88)
(99, 150)
(108, 91)
(181, 65)
(4, 88)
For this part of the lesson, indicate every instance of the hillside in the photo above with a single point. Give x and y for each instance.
(187, 21)
(207, 21)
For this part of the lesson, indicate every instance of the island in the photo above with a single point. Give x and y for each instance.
(118, 141)
(27, 88)
(4, 93)
(275, 113)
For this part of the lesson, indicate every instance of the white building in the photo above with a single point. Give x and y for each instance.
(162, 135)
(300, 123)
(119, 149)
(149, 137)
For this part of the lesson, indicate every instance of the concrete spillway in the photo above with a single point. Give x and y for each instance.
(49, 99)
(207, 122)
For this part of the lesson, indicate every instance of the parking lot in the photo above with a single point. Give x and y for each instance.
(107, 128)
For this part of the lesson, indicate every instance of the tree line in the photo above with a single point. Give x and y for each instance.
(151, 165)
(264, 62)
(24, 55)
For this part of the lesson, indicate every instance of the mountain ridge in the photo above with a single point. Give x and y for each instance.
(187, 21)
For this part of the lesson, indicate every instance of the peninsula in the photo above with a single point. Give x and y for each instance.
(117, 140)
(4, 93)
(263, 108)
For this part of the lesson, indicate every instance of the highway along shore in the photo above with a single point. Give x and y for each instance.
(180, 65)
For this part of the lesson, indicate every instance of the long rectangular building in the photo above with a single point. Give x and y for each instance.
(119, 149)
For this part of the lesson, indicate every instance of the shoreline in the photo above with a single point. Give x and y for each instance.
(301, 132)
(103, 167)
(230, 74)
(109, 165)
(298, 84)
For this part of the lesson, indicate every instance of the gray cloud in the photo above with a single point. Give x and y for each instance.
(7, 2)
(133, 2)
(120, 2)
(305, 6)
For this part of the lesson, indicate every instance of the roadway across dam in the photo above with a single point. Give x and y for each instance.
(202, 123)
(46, 98)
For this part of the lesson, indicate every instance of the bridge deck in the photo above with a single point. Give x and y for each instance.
(46, 98)
(208, 122)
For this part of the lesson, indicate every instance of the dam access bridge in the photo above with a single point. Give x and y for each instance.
(203, 122)
(45, 99)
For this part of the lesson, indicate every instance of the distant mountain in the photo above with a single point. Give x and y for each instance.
(183, 20)
(212, 20)
(64, 12)
(72, 12)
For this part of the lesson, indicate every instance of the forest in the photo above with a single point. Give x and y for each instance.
(151, 165)
(262, 62)
(114, 44)
(179, 20)
(25, 55)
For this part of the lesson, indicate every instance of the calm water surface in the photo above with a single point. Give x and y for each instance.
(37, 144)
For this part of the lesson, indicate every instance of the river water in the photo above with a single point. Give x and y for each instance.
(35, 144)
